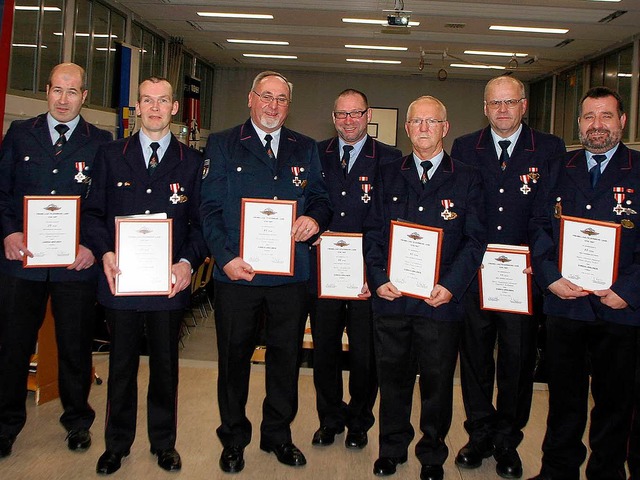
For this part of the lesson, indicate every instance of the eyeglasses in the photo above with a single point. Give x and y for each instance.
(354, 114)
(510, 103)
(268, 98)
(432, 122)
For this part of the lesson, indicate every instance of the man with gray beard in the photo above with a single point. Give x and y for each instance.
(591, 332)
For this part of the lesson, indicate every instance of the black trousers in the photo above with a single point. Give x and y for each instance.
(127, 328)
(239, 309)
(516, 336)
(611, 349)
(22, 308)
(633, 455)
(328, 320)
(406, 345)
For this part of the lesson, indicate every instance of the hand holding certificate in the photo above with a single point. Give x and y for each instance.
(265, 235)
(414, 258)
(51, 230)
(143, 253)
(340, 266)
(504, 286)
(589, 251)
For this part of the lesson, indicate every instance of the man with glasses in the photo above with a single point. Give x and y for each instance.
(349, 162)
(517, 165)
(260, 159)
(414, 335)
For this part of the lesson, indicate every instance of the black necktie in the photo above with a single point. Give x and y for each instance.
(594, 171)
(504, 155)
(153, 160)
(267, 146)
(345, 159)
(426, 165)
(61, 128)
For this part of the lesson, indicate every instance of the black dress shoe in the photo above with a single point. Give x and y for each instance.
(6, 443)
(472, 454)
(232, 459)
(508, 463)
(325, 436)
(356, 440)
(110, 461)
(168, 459)
(79, 439)
(287, 453)
(387, 465)
(431, 472)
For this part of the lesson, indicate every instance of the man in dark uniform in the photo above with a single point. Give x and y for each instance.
(349, 162)
(591, 332)
(260, 159)
(530, 160)
(412, 335)
(150, 172)
(51, 154)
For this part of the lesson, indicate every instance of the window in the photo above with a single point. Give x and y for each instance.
(97, 27)
(540, 100)
(205, 73)
(36, 44)
(151, 51)
(569, 89)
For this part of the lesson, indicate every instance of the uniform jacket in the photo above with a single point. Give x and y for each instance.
(400, 196)
(350, 197)
(122, 186)
(573, 196)
(29, 166)
(536, 156)
(240, 168)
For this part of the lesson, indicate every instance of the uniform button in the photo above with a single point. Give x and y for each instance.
(628, 202)
(239, 169)
(499, 227)
(342, 214)
(588, 207)
(148, 190)
(558, 199)
(119, 184)
(500, 209)
(395, 199)
(26, 159)
(343, 193)
(276, 177)
(420, 209)
(147, 212)
(501, 190)
(55, 170)
(275, 197)
(86, 168)
(302, 169)
(53, 192)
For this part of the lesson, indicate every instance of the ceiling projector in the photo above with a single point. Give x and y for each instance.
(397, 18)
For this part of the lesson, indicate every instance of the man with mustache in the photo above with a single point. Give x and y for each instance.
(591, 332)
(260, 159)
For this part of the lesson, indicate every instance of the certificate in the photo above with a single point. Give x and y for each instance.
(503, 285)
(340, 266)
(266, 242)
(414, 258)
(143, 255)
(51, 230)
(589, 251)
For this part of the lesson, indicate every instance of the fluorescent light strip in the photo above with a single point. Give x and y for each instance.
(26, 8)
(26, 45)
(367, 60)
(259, 16)
(369, 21)
(105, 49)
(625, 75)
(257, 42)
(484, 67)
(507, 28)
(95, 35)
(494, 54)
(378, 47)
(261, 55)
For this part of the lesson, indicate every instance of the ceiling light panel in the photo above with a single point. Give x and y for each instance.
(513, 28)
(254, 16)
(257, 42)
(378, 47)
